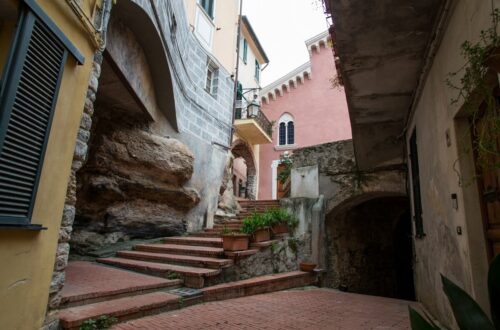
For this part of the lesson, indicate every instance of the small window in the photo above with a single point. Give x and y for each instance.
(415, 181)
(208, 7)
(282, 132)
(245, 51)
(286, 130)
(257, 70)
(212, 79)
(290, 133)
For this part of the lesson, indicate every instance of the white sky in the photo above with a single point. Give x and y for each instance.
(282, 26)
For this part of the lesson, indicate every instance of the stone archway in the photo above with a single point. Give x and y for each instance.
(369, 247)
(241, 149)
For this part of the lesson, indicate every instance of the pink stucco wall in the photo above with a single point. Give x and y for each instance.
(319, 111)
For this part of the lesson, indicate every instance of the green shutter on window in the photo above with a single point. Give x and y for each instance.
(27, 100)
(245, 51)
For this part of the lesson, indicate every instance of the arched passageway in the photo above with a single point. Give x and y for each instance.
(369, 247)
(244, 162)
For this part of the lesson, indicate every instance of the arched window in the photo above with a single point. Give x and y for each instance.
(286, 130)
(290, 133)
(282, 134)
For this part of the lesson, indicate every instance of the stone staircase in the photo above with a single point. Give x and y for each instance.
(196, 261)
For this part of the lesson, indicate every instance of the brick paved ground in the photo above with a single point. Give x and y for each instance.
(293, 309)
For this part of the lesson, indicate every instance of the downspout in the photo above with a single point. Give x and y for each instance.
(235, 89)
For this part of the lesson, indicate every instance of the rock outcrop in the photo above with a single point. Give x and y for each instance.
(133, 186)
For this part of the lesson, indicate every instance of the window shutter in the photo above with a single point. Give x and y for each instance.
(291, 133)
(27, 100)
(415, 181)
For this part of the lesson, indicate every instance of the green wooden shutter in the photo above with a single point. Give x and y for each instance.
(27, 100)
(245, 51)
(415, 181)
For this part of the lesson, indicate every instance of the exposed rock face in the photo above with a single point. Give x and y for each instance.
(131, 187)
(227, 200)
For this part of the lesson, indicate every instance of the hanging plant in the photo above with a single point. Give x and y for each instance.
(476, 92)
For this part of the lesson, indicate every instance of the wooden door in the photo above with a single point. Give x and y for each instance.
(281, 190)
(489, 186)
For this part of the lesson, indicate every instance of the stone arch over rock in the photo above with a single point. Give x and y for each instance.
(242, 149)
(154, 64)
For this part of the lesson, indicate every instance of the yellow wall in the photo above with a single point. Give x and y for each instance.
(27, 258)
(226, 21)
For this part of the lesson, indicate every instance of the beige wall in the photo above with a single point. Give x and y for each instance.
(225, 25)
(446, 170)
(246, 73)
(28, 257)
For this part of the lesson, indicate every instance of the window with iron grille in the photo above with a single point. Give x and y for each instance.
(415, 181)
(212, 79)
(28, 94)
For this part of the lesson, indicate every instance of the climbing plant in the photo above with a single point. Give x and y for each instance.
(477, 93)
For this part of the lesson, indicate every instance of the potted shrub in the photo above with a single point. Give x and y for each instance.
(257, 226)
(234, 241)
(282, 221)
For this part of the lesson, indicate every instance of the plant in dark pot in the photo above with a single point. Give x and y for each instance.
(234, 241)
(281, 221)
(257, 226)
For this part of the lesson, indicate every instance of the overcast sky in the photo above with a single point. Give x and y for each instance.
(282, 26)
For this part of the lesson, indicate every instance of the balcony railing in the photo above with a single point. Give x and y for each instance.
(260, 118)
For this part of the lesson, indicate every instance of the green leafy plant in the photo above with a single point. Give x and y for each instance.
(477, 93)
(255, 222)
(102, 323)
(468, 314)
(173, 276)
(287, 169)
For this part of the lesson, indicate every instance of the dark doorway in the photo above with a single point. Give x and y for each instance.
(370, 248)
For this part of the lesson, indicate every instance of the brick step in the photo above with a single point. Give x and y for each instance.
(195, 241)
(236, 226)
(193, 276)
(229, 222)
(205, 234)
(123, 309)
(219, 230)
(260, 201)
(202, 251)
(88, 283)
(257, 285)
(214, 263)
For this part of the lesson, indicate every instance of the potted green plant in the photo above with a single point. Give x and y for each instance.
(281, 221)
(234, 241)
(257, 226)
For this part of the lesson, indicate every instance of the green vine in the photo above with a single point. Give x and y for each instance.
(476, 92)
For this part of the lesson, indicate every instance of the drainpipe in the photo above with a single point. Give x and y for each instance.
(235, 89)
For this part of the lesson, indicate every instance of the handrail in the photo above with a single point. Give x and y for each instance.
(260, 118)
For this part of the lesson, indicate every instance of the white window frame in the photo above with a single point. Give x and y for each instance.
(285, 118)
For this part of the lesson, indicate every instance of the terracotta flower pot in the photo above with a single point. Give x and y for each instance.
(281, 228)
(307, 266)
(235, 242)
(261, 235)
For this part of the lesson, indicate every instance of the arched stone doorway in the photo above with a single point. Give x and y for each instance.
(244, 161)
(369, 246)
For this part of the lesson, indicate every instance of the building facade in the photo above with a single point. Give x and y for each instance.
(403, 120)
(307, 107)
(139, 120)
(252, 128)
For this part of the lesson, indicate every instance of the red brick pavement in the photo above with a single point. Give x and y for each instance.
(290, 310)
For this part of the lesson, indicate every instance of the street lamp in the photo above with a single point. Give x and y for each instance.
(254, 107)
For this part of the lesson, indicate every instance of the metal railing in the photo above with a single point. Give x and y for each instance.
(260, 118)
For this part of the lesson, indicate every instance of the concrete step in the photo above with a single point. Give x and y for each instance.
(194, 241)
(123, 309)
(202, 251)
(257, 285)
(213, 263)
(88, 283)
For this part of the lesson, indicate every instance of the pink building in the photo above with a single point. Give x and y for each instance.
(307, 110)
